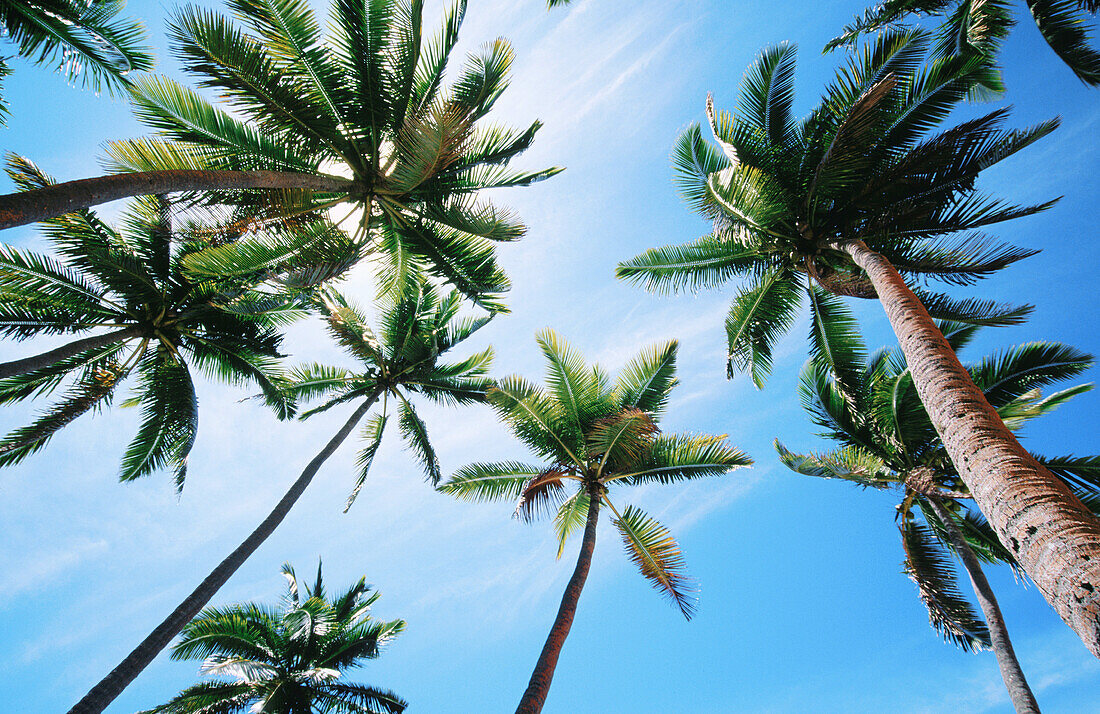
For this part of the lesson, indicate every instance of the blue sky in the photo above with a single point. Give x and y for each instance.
(803, 606)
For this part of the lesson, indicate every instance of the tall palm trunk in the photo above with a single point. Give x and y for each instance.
(30, 364)
(1011, 672)
(1053, 537)
(102, 694)
(20, 208)
(535, 697)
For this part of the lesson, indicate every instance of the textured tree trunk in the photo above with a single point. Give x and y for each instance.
(102, 694)
(1011, 672)
(1054, 538)
(535, 697)
(20, 208)
(30, 364)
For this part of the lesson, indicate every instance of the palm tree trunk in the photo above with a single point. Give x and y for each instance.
(535, 697)
(30, 364)
(20, 208)
(102, 694)
(1053, 537)
(1011, 672)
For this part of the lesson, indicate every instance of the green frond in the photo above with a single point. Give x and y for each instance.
(679, 457)
(92, 390)
(416, 436)
(1008, 374)
(502, 481)
(835, 341)
(571, 516)
(653, 549)
(372, 435)
(759, 315)
(703, 264)
(646, 381)
(88, 42)
(949, 612)
(169, 419)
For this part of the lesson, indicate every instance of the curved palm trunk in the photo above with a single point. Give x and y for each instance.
(30, 364)
(20, 208)
(539, 686)
(1053, 537)
(1011, 672)
(102, 694)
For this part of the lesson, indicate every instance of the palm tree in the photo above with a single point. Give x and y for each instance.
(288, 659)
(974, 28)
(84, 39)
(887, 442)
(594, 435)
(403, 359)
(359, 118)
(158, 324)
(837, 204)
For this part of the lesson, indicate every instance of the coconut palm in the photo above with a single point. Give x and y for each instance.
(360, 119)
(977, 28)
(83, 39)
(887, 442)
(595, 436)
(400, 360)
(148, 320)
(287, 659)
(846, 202)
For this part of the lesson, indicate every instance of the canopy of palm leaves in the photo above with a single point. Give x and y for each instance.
(287, 659)
(784, 194)
(978, 27)
(83, 39)
(887, 441)
(398, 361)
(131, 280)
(594, 436)
(366, 103)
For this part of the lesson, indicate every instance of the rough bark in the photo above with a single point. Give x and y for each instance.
(534, 698)
(30, 364)
(1053, 537)
(1011, 672)
(102, 694)
(20, 208)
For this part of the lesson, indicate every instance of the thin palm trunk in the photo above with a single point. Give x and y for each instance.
(534, 698)
(30, 364)
(1053, 537)
(102, 694)
(1011, 672)
(20, 208)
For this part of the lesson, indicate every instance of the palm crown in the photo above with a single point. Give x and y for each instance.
(595, 436)
(401, 360)
(287, 659)
(131, 279)
(366, 103)
(785, 195)
(887, 441)
(979, 28)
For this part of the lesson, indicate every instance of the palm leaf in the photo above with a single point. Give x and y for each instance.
(653, 549)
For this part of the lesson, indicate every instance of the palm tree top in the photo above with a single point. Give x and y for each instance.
(289, 658)
(131, 282)
(785, 195)
(596, 435)
(365, 103)
(398, 360)
(886, 441)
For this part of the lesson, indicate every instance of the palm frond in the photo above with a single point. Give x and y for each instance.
(653, 549)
